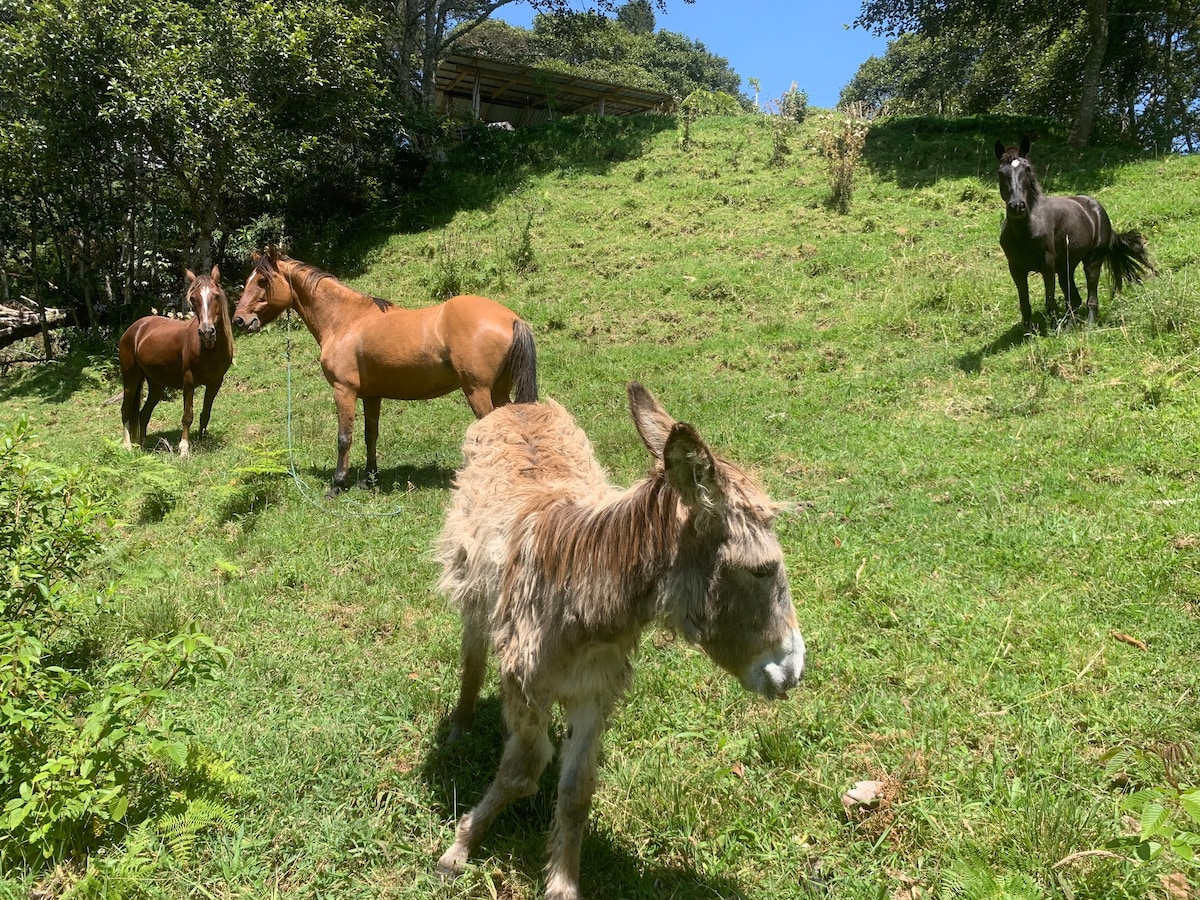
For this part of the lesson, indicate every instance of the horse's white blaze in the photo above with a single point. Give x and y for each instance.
(1016, 163)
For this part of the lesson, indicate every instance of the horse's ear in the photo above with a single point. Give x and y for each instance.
(691, 469)
(999, 149)
(1023, 152)
(652, 421)
(215, 274)
(191, 276)
(273, 253)
(255, 256)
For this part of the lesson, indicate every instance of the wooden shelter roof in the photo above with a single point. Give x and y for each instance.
(503, 91)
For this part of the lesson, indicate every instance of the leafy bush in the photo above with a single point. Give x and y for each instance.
(80, 763)
(794, 104)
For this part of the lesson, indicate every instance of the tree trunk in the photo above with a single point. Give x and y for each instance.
(1097, 19)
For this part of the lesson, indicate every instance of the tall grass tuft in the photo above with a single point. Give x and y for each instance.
(841, 145)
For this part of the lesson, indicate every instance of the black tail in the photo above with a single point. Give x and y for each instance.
(522, 364)
(1128, 259)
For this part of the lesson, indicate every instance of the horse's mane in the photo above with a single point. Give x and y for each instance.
(312, 276)
(1010, 153)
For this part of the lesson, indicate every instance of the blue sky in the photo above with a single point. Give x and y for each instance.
(775, 41)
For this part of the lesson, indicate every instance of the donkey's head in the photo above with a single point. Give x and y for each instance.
(727, 588)
(267, 293)
(1018, 183)
(209, 303)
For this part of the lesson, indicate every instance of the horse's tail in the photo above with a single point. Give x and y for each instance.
(1128, 259)
(522, 364)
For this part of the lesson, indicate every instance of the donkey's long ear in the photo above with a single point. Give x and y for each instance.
(1023, 152)
(1000, 149)
(691, 469)
(652, 421)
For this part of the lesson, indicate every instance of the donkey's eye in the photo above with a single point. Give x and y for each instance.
(766, 570)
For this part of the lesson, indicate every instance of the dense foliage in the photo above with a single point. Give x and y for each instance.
(621, 50)
(84, 743)
(1116, 69)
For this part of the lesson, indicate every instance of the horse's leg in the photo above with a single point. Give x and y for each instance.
(189, 396)
(474, 666)
(210, 394)
(132, 381)
(1066, 280)
(154, 393)
(479, 396)
(1048, 285)
(576, 785)
(1021, 280)
(371, 407)
(1091, 271)
(526, 753)
(345, 399)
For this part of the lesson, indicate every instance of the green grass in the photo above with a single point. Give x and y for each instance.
(976, 515)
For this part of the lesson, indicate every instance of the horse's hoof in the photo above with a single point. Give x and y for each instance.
(333, 492)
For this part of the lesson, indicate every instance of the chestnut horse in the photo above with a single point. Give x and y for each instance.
(558, 572)
(1053, 235)
(175, 353)
(374, 350)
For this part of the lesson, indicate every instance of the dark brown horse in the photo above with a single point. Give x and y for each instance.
(374, 350)
(174, 353)
(1053, 235)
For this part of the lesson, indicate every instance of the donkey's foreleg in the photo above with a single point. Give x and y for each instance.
(576, 785)
(526, 753)
(371, 406)
(344, 398)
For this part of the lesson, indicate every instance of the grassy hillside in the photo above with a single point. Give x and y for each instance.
(980, 520)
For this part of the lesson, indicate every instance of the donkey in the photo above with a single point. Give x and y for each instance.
(1053, 235)
(558, 572)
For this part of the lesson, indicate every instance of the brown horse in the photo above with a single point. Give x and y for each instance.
(558, 572)
(1053, 235)
(374, 350)
(173, 353)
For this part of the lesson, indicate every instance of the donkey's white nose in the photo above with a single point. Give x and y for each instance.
(774, 674)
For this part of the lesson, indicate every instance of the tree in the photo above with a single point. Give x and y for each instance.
(1121, 67)
(637, 17)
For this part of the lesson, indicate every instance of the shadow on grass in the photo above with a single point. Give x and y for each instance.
(458, 774)
(918, 151)
(972, 362)
(398, 480)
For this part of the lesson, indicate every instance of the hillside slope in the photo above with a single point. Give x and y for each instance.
(981, 519)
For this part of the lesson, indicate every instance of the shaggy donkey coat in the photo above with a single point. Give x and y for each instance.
(558, 572)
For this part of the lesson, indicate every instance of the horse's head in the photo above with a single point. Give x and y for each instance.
(267, 293)
(1018, 183)
(209, 303)
(728, 591)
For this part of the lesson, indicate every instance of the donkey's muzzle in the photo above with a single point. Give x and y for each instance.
(778, 671)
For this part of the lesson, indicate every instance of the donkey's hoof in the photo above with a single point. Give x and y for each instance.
(453, 863)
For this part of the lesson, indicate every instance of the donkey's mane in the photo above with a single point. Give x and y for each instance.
(609, 552)
(312, 276)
